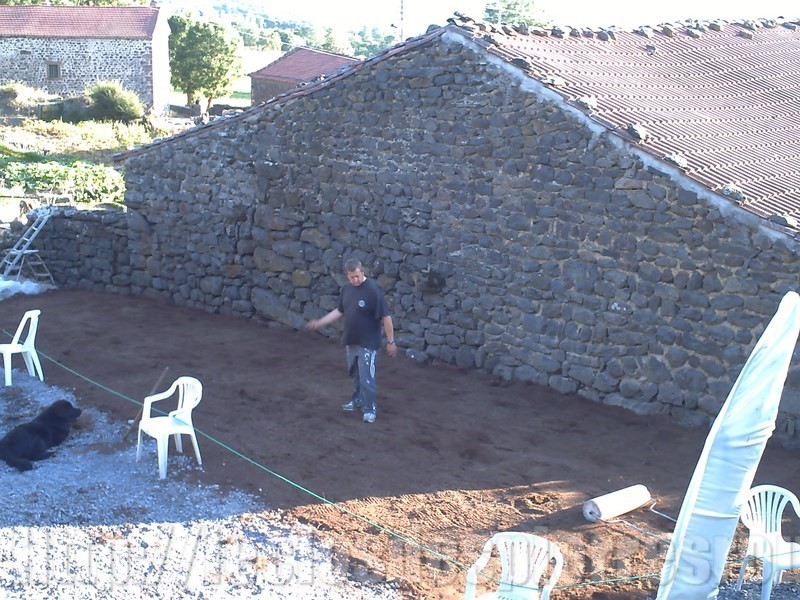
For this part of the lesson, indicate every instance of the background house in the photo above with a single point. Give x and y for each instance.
(607, 213)
(65, 49)
(292, 69)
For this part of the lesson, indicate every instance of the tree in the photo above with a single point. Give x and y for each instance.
(368, 43)
(270, 40)
(249, 35)
(511, 11)
(286, 40)
(204, 58)
(334, 42)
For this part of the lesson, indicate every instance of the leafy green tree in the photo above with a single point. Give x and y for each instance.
(368, 43)
(333, 42)
(204, 58)
(249, 35)
(305, 35)
(511, 11)
(286, 40)
(270, 40)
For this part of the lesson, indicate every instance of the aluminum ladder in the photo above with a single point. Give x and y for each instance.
(22, 257)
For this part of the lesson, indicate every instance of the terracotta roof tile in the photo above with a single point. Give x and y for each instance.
(729, 104)
(129, 22)
(303, 64)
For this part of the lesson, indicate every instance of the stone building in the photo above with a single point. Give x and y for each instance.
(607, 213)
(294, 68)
(65, 49)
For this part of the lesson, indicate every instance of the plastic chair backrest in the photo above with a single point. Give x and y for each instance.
(762, 515)
(31, 320)
(763, 512)
(524, 560)
(190, 392)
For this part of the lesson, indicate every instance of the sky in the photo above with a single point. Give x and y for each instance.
(418, 14)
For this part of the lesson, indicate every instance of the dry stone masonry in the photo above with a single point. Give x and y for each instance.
(28, 59)
(509, 235)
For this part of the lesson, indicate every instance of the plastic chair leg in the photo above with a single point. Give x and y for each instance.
(742, 570)
(163, 450)
(37, 365)
(767, 581)
(196, 448)
(7, 367)
(178, 443)
(139, 446)
(29, 364)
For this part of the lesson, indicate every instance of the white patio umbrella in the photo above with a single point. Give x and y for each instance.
(723, 475)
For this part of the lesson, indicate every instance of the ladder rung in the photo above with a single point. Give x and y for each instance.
(20, 249)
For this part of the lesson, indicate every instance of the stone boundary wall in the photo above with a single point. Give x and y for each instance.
(87, 249)
(509, 234)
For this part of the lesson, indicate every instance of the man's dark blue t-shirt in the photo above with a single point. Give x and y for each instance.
(363, 307)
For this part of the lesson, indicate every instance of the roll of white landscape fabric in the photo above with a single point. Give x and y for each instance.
(614, 504)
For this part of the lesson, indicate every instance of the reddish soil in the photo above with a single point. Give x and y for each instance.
(453, 457)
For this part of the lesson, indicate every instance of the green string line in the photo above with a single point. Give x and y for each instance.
(313, 494)
(401, 537)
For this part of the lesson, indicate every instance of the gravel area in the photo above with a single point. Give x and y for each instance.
(91, 522)
(751, 590)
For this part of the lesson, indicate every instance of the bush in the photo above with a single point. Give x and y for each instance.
(86, 182)
(18, 98)
(111, 102)
(97, 183)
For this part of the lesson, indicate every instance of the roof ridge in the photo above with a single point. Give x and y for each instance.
(673, 98)
(667, 28)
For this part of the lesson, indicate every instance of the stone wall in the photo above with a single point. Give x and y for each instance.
(510, 234)
(87, 249)
(262, 89)
(84, 62)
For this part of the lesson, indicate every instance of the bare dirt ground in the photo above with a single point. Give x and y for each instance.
(453, 457)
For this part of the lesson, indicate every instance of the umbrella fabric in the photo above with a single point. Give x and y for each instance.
(724, 473)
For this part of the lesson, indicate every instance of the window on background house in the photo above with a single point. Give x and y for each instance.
(53, 71)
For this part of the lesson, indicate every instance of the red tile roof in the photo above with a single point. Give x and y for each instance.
(302, 64)
(129, 22)
(724, 98)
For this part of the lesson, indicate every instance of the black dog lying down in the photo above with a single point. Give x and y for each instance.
(31, 441)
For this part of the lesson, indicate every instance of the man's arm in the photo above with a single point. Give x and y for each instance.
(388, 328)
(326, 320)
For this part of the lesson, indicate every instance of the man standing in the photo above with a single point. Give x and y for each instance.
(364, 308)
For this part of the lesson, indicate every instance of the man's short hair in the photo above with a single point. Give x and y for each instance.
(351, 265)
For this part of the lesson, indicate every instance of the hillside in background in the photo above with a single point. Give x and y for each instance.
(228, 12)
(260, 29)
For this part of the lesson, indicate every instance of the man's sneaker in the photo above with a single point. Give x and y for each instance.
(349, 406)
(369, 417)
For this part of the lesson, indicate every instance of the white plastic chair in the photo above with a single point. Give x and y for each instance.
(762, 515)
(524, 559)
(178, 422)
(27, 348)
